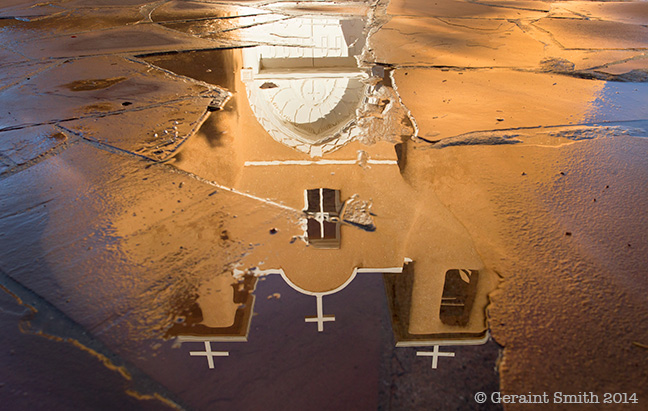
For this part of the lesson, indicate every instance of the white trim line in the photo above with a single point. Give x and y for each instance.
(316, 162)
(446, 342)
(212, 338)
(356, 271)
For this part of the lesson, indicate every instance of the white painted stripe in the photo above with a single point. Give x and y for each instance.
(386, 162)
(321, 216)
(317, 162)
(241, 193)
(253, 197)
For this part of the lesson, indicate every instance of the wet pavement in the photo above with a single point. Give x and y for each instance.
(322, 205)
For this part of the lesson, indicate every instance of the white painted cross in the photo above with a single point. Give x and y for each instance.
(435, 355)
(209, 354)
(320, 318)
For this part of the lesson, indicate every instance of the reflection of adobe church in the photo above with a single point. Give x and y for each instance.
(305, 97)
(303, 135)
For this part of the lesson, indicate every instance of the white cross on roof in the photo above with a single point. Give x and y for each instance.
(320, 318)
(435, 355)
(209, 354)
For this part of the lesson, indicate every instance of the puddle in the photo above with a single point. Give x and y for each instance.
(312, 129)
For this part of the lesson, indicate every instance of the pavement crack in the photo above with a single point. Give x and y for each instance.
(546, 32)
(508, 6)
(4, 159)
(27, 76)
(210, 87)
(172, 52)
(101, 115)
(528, 30)
(41, 157)
(26, 210)
(247, 26)
(469, 27)
(580, 15)
(621, 61)
(112, 149)
(147, 10)
(212, 18)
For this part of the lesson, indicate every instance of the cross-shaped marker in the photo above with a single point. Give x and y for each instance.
(435, 355)
(209, 354)
(320, 318)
